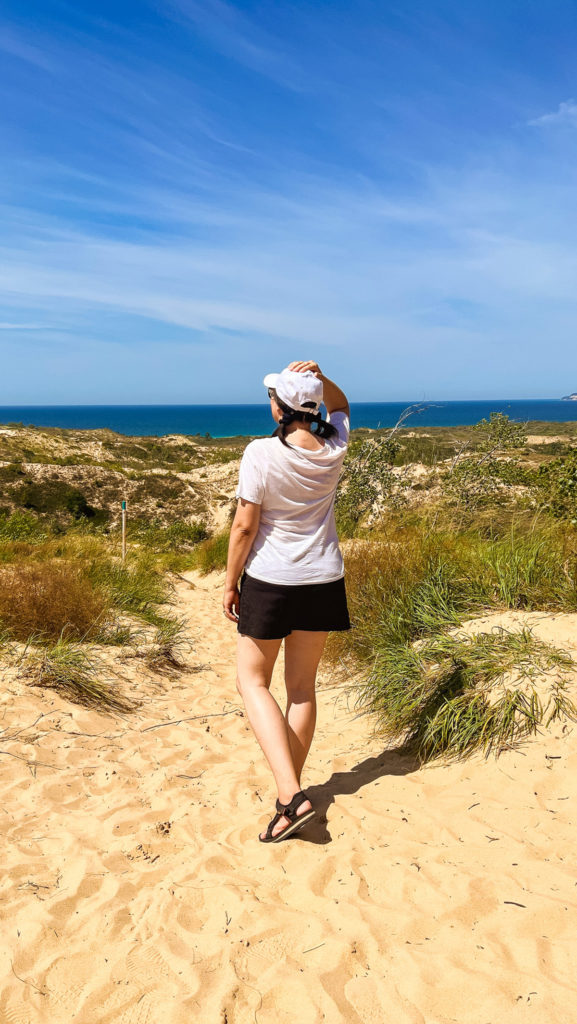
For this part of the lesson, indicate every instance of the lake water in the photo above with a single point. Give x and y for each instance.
(251, 420)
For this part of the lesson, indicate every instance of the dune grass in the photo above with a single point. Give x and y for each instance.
(50, 599)
(453, 694)
(70, 668)
(416, 582)
(211, 555)
(408, 594)
(415, 571)
(170, 641)
(176, 537)
(6, 639)
(61, 594)
(79, 576)
(136, 586)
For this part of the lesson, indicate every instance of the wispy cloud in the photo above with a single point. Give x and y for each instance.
(7, 326)
(235, 36)
(157, 199)
(565, 115)
(14, 45)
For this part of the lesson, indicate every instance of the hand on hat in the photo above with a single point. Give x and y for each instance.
(303, 365)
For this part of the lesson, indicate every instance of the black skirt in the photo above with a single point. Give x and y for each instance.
(270, 611)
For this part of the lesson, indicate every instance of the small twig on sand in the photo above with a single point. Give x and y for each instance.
(310, 949)
(26, 982)
(13, 735)
(32, 764)
(258, 992)
(191, 718)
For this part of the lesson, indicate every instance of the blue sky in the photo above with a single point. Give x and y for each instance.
(195, 193)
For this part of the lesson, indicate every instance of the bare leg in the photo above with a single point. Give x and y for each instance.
(255, 662)
(303, 650)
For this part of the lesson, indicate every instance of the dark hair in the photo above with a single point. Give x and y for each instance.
(321, 428)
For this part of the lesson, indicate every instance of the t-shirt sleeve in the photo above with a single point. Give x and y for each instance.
(251, 478)
(340, 420)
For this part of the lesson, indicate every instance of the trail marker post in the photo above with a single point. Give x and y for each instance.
(123, 530)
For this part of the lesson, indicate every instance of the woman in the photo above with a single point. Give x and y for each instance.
(284, 538)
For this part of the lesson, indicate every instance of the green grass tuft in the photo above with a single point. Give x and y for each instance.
(211, 555)
(136, 586)
(70, 668)
(170, 640)
(452, 694)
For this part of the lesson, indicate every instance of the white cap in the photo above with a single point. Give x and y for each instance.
(297, 390)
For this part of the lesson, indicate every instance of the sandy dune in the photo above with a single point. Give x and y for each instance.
(135, 890)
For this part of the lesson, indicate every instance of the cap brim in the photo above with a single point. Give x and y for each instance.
(271, 379)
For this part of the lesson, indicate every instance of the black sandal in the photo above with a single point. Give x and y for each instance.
(289, 811)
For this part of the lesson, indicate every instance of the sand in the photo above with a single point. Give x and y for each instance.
(135, 891)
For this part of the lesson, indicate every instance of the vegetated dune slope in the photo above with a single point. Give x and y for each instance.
(136, 891)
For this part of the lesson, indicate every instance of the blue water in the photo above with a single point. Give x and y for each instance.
(251, 420)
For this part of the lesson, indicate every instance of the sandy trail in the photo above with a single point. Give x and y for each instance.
(135, 891)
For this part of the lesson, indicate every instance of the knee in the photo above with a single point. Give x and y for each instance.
(250, 684)
(300, 691)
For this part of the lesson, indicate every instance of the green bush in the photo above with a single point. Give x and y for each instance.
(50, 496)
(499, 434)
(367, 482)
(13, 471)
(558, 484)
(23, 526)
(76, 503)
(480, 468)
(176, 537)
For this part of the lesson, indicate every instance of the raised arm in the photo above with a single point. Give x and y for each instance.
(334, 399)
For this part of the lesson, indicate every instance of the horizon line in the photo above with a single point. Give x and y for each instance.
(264, 405)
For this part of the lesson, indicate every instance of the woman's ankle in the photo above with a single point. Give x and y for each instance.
(286, 795)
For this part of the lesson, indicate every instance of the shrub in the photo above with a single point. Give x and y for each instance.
(49, 599)
(558, 484)
(368, 481)
(77, 505)
(220, 456)
(22, 526)
(499, 434)
(424, 449)
(479, 470)
(11, 472)
(53, 496)
(165, 486)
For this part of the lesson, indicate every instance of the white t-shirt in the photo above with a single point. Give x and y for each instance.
(297, 538)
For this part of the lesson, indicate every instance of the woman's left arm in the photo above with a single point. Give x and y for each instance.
(242, 533)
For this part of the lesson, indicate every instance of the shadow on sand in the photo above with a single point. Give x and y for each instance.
(389, 762)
